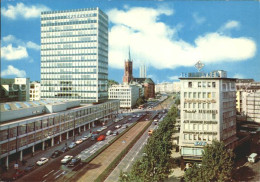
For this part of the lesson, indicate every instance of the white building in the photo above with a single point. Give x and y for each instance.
(74, 55)
(167, 87)
(35, 91)
(127, 94)
(142, 71)
(208, 111)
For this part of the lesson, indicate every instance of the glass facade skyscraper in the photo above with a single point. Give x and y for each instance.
(74, 55)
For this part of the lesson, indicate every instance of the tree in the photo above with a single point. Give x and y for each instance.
(155, 165)
(112, 82)
(140, 101)
(217, 164)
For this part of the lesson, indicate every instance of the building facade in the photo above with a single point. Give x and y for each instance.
(148, 86)
(127, 94)
(208, 112)
(35, 91)
(36, 125)
(16, 89)
(142, 71)
(167, 87)
(74, 55)
(248, 100)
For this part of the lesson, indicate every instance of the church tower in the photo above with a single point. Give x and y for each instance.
(128, 75)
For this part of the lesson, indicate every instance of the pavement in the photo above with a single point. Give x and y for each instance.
(43, 153)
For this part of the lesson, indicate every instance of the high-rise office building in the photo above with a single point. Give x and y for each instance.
(142, 71)
(208, 112)
(74, 55)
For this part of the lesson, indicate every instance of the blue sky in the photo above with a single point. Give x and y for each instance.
(168, 36)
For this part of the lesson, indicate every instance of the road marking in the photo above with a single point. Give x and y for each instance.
(56, 172)
(48, 173)
(64, 172)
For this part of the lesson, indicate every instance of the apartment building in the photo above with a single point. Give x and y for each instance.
(35, 91)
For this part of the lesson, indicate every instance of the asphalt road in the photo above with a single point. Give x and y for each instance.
(53, 170)
(127, 162)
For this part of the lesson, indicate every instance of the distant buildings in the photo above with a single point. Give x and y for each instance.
(14, 89)
(168, 87)
(35, 91)
(208, 111)
(142, 71)
(127, 94)
(35, 125)
(248, 100)
(74, 55)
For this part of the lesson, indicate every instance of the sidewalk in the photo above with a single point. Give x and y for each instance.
(44, 153)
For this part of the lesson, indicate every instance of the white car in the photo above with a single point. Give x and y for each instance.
(104, 127)
(66, 159)
(42, 161)
(118, 126)
(85, 137)
(108, 132)
(79, 141)
(72, 145)
(99, 130)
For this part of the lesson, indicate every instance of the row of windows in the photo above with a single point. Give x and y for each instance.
(72, 22)
(196, 137)
(67, 42)
(206, 116)
(69, 51)
(74, 59)
(68, 16)
(68, 76)
(199, 95)
(70, 46)
(70, 28)
(86, 89)
(200, 84)
(200, 105)
(200, 127)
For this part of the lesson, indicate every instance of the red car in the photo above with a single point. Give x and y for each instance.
(101, 137)
(18, 174)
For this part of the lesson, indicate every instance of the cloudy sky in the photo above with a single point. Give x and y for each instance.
(169, 37)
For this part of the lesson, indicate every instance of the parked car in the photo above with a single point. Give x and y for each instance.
(115, 133)
(101, 137)
(18, 174)
(118, 126)
(64, 149)
(104, 127)
(252, 158)
(42, 161)
(94, 136)
(74, 161)
(72, 145)
(29, 168)
(56, 153)
(99, 130)
(66, 159)
(108, 132)
(79, 141)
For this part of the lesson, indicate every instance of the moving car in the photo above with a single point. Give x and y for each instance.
(99, 130)
(94, 136)
(252, 158)
(79, 141)
(74, 161)
(118, 126)
(115, 133)
(72, 145)
(108, 132)
(86, 137)
(56, 153)
(42, 161)
(150, 132)
(66, 159)
(104, 127)
(29, 168)
(64, 149)
(101, 137)
(125, 126)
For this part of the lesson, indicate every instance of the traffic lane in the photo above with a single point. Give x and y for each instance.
(52, 167)
(53, 164)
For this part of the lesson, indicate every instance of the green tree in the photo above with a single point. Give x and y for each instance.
(112, 82)
(217, 164)
(140, 101)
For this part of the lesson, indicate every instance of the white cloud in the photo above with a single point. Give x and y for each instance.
(174, 77)
(13, 53)
(32, 45)
(198, 19)
(232, 24)
(12, 71)
(156, 44)
(9, 38)
(22, 10)
(238, 75)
